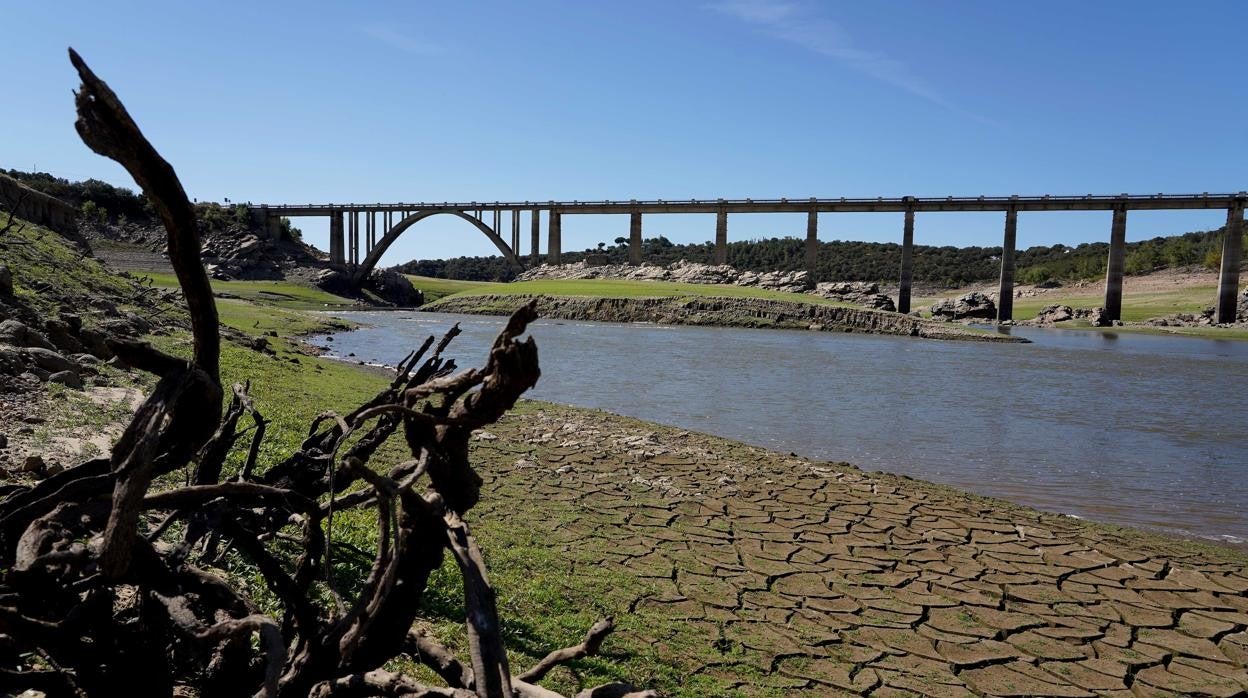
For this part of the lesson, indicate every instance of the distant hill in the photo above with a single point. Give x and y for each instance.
(876, 261)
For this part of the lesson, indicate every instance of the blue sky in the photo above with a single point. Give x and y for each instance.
(538, 100)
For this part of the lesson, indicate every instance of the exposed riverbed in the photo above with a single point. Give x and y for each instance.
(1122, 428)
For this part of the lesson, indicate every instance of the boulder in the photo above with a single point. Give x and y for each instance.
(49, 360)
(972, 305)
(95, 342)
(1051, 314)
(62, 335)
(69, 379)
(395, 288)
(247, 246)
(857, 292)
(11, 363)
(6, 281)
(19, 335)
(333, 281)
(33, 464)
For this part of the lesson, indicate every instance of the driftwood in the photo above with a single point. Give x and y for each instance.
(108, 586)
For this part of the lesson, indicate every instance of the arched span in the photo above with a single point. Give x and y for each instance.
(374, 256)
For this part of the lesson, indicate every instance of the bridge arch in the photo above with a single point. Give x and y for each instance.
(374, 255)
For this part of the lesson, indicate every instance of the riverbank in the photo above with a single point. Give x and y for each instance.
(735, 570)
(717, 312)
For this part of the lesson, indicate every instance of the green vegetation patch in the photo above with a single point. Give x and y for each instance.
(286, 294)
(46, 267)
(439, 288)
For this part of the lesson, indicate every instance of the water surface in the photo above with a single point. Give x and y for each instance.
(1124, 428)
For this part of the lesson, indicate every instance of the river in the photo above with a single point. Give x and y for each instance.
(1123, 428)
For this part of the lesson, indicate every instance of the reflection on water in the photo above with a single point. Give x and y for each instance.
(1125, 428)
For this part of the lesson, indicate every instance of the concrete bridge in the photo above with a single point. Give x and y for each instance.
(361, 233)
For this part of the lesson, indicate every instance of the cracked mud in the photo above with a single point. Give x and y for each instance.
(779, 575)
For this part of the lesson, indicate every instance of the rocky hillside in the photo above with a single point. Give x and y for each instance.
(59, 311)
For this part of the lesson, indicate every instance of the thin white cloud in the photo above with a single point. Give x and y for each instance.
(797, 24)
(403, 42)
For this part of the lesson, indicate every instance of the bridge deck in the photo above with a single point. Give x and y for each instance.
(846, 205)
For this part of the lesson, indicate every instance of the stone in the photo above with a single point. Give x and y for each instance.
(73, 321)
(1051, 314)
(682, 271)
(6, 281)
(857, 292)
(247, 246)
(971, 305)
(49, 360)
(4, 441)
(19, 335)
(33, 464)
(395, 288)
(62, 335)
(11, 363)
(69, 379)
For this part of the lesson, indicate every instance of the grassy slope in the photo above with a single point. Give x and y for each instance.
(262, 306)
(617, 288)
(40, 258)
(1136, 307)
(544, 606)
(438, 288)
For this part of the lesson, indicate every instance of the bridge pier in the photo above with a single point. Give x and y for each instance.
(634, 238)
(535, 233)
(1117, 261)
(335, 238)
(812, 246)
(721, 237)
(554, 243)
(1232, 252)
(515, 231)
(355, 238)
(907, 261)
(1005, 292)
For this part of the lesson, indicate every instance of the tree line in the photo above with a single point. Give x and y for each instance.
(843, 260)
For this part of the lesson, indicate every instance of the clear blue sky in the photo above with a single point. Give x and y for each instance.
(491, 100)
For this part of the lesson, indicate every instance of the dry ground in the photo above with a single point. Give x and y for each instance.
(756, 573)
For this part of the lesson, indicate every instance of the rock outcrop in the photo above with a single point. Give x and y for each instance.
(974, 305)
(1050, 315)
(856, 292)
(394, 287)
(679, 272)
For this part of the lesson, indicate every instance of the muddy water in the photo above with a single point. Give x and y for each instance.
(1130, 429)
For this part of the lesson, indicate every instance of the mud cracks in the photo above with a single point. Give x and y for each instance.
(789, 576)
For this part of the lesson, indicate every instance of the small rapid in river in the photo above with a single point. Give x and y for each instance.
(1122, 428)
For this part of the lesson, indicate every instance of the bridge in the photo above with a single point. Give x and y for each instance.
(377, 226)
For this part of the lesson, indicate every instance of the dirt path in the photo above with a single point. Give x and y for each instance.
(780, 576)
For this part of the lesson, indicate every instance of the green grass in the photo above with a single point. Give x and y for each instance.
(41, 259)
(284, 294)
(620, 288)
(257, 307)
(439, 288)
(1135, 306)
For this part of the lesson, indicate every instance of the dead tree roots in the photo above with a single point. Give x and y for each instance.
(109, 585)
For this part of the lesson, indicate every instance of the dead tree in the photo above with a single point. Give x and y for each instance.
(109, 586)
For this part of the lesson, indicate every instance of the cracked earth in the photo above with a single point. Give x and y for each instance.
(787, 576)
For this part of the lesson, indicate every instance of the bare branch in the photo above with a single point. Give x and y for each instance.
(591, 643)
